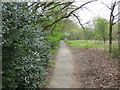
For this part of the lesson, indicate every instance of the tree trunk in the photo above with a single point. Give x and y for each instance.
(104, 39)
(110, 39)
(119, 43)
(119, 40)
(119, 31)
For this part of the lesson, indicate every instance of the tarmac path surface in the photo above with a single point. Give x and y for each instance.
(63, 72)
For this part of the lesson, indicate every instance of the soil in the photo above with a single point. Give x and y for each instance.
(91, 68)
(50, 69)
(94, 68)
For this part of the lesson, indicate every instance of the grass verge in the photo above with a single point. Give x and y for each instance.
(95, 44)
(86, 43)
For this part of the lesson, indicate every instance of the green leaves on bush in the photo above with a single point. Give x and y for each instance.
(54, 39)
(25, 49)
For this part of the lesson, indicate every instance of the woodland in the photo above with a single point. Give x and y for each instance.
(31, 32)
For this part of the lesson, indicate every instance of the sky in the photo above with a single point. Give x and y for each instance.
(96, 9)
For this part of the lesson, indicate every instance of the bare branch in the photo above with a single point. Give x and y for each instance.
(90, 11)
(106, 5)
(69, 14)
(49, 4)
(117, 14)
(68, 4)
(116, 22)
(80, 7)
(117, 2)
(59, 11)
(79, 21)
(86, 22)
(116, 34)
(59, 4)
(56, 21)
(35, 7)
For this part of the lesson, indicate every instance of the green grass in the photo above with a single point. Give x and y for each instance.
(86, 43)
(96, 44)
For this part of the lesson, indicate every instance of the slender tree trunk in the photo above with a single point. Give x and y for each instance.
(110, 32)
(119, 40)
(104, 39)
(110, 38)
(119, 43)
(110, 27)
(119, 31)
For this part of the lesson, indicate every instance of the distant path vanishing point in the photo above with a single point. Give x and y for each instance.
(63, 72)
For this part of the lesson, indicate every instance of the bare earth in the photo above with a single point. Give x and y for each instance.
(83, 68)
(94, 69)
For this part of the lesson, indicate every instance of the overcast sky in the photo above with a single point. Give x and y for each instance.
(97, 9)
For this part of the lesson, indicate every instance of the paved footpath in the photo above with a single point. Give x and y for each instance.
(62, 76)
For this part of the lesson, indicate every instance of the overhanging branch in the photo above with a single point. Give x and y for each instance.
(106, 5)
(116, 34)
(79, 22)
(68, 15)
(116, 22)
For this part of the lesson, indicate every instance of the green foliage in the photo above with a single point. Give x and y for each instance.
(101, 29)
(115, 51)
(25, 49)
(76, 32)
(26, 46)
(50, 63)
(54, 39)
(99, 44)
(115, 31)
(88, 33)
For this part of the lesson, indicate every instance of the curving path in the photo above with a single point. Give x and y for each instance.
(63, 72)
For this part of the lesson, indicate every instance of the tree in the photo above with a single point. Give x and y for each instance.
(73, 30)
(112, 21)
(88, 33)
(119, 30)
(65, 10)
(56, 12)
(101, 28)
